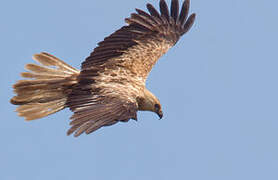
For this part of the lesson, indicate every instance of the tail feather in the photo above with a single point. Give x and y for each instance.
(39, 110)
(50, 60)
(47, 89)
(44, 70)
(40, 76)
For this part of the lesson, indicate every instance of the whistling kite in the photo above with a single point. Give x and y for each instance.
(111, 84)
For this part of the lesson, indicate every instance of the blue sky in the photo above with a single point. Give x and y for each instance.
(218, 88)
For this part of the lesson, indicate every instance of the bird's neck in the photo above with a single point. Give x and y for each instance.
(146, 101)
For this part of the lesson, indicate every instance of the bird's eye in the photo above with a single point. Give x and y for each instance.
(157, 106)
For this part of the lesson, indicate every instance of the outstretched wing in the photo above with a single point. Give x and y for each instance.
(138, 46)
(114, 74)
(94, 117)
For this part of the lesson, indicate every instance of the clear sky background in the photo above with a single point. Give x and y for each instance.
(218, 87)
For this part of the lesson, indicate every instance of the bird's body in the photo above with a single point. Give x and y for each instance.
(111, 84)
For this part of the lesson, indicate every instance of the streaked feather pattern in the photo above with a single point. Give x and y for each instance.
(46, 91)
(125, 58)
(94, 117)
(111, 84)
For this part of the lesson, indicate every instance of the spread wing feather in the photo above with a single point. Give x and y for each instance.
(91, 118)
(120, 64)
(175, 9)
(164, 10)
(163, 27)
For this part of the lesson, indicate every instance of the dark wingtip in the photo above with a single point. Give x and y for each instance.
(175, 9)
(189, 22)
(184, 11)
(174, 17)
(164, 10)
(153, 11)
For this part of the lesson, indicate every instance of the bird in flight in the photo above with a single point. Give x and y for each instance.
(110, 87)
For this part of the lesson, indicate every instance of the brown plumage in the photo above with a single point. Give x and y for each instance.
(111, 84)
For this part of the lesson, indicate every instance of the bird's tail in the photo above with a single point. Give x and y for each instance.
(46, 90)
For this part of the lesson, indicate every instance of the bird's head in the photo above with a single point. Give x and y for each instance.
(148, 102)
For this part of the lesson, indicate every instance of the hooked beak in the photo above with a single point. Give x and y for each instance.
(160, 114)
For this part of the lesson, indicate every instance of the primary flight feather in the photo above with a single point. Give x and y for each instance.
(111, 84)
